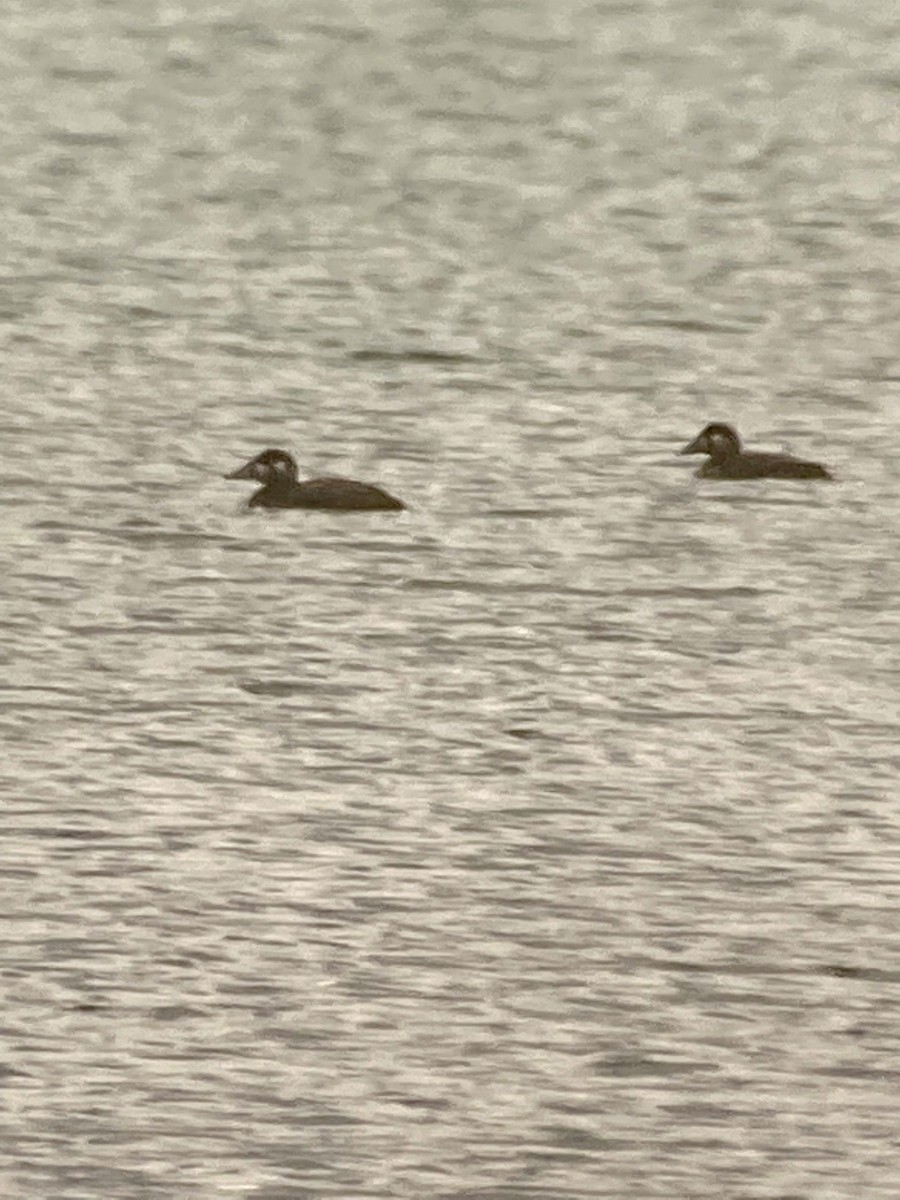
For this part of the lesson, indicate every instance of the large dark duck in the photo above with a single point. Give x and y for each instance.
(727, 460)
(277, 472)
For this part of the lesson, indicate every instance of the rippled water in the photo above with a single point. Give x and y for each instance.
(541, 841)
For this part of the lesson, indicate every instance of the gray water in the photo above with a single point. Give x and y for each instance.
(541, 841)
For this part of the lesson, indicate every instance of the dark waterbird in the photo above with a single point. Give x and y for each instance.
(727, 460)
(277, 472)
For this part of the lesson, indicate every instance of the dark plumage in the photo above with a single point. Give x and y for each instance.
(728, 461)
(277, 472)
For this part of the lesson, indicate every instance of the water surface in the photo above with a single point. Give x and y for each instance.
(540, 841)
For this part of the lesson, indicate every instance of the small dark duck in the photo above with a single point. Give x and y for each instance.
(277, 472)
(727, 460)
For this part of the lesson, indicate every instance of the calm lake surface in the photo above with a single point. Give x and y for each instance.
(542, 841)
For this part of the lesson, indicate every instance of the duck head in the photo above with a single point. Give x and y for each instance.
(717, 440)
(271, 466)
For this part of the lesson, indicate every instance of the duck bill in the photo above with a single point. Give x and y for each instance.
(699, 445)
(247, 471)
